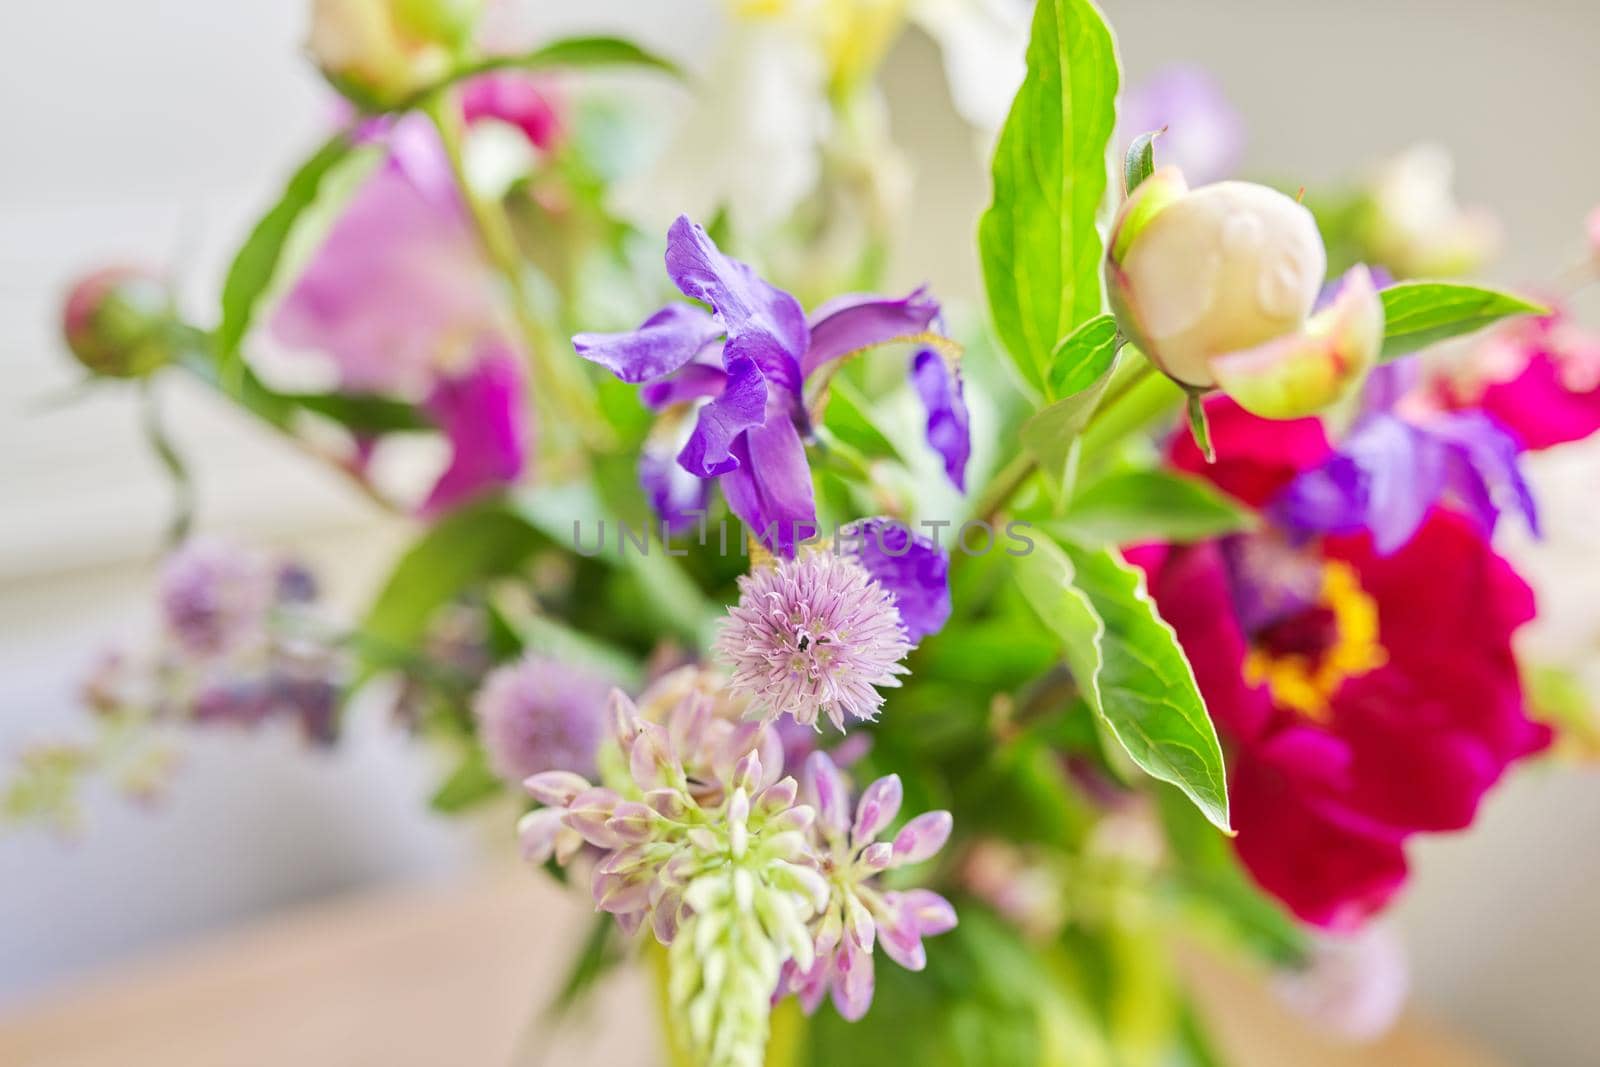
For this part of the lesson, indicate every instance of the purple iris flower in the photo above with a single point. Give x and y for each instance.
(914, 569)
(1394, 466)
(746, 361)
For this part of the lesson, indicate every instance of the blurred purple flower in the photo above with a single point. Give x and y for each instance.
(1204, 134)
(1394, 466)
(939, 385)
(914, 570)
(214, 596)
(541, 714)
(745, 363)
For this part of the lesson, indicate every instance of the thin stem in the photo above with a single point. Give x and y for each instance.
(155, 431)
(1004, 485)
(1126, 390)
(562, 393)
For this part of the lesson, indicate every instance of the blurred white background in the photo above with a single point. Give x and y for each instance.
(145, 131)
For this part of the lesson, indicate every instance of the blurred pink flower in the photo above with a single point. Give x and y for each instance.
(484, 414)
(1354, 986)
(398, 288)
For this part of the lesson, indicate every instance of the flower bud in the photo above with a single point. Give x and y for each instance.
(380, 51)
(1196, 274)
(1315, 367)
(115, 322)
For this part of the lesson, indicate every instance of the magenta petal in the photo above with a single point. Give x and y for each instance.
(484, 415)
(853, 322)
(398, 284)
(743, 404)
(764, 323)
(664, 342)
(949, 428)
(515, 99)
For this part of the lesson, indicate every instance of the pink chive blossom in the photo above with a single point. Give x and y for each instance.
(813, 635)
(860, 914)
(541, 714)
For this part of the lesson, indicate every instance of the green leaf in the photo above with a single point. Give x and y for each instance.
(1199, 425)
(1140, 161)
(1419, 314)
(1209, 877)
(1130, 507)
(1129, 666)
(467, 547)
(1037, 241)
(470, 784)
(362, 412)
(255, 264)
(568, 52)
(1083, 356)
(1052, 433)
(987, 997)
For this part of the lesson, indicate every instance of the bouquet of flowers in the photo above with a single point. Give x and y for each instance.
(902, 678)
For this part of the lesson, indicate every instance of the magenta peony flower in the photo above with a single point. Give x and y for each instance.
(484, 414)
(541, 714)
(1364, 697)
(1540, 378)
(813, 635)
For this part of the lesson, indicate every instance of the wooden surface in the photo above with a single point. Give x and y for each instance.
(453, 975)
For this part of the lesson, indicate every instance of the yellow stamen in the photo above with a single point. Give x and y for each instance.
(1308, 685)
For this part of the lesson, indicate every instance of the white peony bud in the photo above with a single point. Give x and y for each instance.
(381, 51)
(1197, 274)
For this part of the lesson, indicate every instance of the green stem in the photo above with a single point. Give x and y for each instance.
(563, 394)
(155, 431)
(1132, 399)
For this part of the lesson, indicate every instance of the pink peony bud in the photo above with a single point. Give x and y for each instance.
(116, 322)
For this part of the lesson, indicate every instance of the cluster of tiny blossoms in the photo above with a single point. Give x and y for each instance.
(757, 890)
(814, 635)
